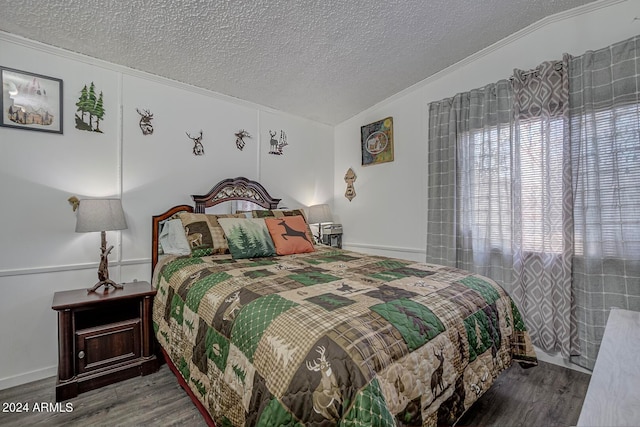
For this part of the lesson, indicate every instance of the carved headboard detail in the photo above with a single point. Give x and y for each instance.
(235, 189)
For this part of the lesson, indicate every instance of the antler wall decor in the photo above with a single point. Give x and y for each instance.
(145, 121)
(240, 135)
(198, 148)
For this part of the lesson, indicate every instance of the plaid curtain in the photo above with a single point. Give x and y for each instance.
(533, 181)
(604, 110)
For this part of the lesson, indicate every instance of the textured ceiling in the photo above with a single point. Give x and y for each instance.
(325, 60)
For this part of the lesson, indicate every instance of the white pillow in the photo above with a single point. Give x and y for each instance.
(173, 238)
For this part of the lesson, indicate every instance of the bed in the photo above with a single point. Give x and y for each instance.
(323, 336)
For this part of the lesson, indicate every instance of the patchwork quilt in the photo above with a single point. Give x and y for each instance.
(334, 337)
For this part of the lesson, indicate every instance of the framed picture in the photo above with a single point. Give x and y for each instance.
(377, 142)
(30, 101)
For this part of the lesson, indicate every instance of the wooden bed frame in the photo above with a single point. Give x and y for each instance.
(227, 190)
(230, 189)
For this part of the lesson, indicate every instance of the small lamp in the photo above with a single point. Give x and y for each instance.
(319, 214)
(101, 215)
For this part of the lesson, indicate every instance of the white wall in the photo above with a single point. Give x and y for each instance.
(388, 215)
(39, 251)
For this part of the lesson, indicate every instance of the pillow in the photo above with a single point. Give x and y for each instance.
(289, 235)
(247, 237)
(279, 213)
(204, 234)
(173, 239)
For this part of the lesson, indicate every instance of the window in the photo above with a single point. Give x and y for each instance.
(541, 190)
(537, 168)
(608, 203)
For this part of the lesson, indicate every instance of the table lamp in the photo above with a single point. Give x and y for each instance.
(319, 214)
(101, 215)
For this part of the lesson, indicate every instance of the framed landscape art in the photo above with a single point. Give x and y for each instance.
(377, 142)
(30, 101)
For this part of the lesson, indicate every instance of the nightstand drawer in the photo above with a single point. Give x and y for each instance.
(107, 345)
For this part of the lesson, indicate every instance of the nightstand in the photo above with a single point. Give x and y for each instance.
(332, 235)
(103, 337)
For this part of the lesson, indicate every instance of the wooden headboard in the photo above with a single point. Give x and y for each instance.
(229, 189)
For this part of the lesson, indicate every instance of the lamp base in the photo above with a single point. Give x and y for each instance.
(108, 284)
(103, 268)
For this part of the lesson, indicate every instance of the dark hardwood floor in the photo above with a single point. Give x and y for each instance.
(547, 395)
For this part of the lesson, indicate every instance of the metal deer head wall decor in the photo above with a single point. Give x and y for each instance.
(240, 135)
(145, 121)
(198, 148)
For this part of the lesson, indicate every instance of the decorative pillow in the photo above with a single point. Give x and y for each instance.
(289, 234)
(279, 213)
(173, 239)
(204, 234)
(247, 237)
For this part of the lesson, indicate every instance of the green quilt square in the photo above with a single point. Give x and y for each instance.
(256, 274)
(369, 409)
(276, 415)
(400, 273)
(482, 287)
(518, 323)
(329, 256)
(415, 322)
(479, 333)
(200, 288)
(330, 301)
(254, 319)
(309, 278)
(217, 348)
(177, 264)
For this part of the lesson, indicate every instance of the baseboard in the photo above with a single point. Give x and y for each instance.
(28, 377)
(412, 254)
(558, 360)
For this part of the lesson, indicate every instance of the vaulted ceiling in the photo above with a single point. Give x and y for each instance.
(325, 60)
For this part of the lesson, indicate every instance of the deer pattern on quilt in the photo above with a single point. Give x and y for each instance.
(414, 345)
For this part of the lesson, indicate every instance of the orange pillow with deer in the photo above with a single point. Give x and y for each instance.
(289, 234)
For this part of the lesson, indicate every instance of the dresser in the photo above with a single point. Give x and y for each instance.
(613, 395)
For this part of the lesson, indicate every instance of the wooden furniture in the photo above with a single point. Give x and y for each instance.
(103, 337)
(613, 396)
(239, 188)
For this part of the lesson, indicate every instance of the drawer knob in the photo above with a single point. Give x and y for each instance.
(81, 355)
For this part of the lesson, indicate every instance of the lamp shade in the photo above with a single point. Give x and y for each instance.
(100, 215)
(319, 214)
